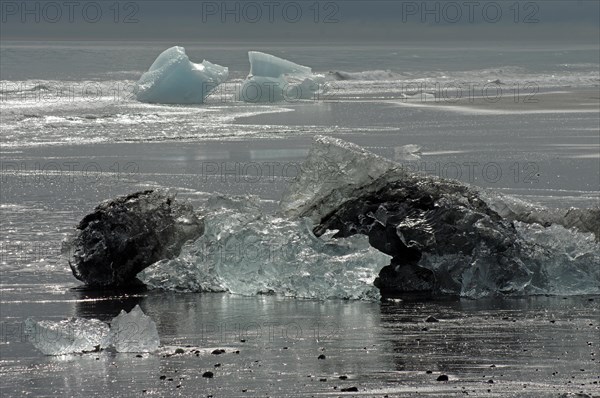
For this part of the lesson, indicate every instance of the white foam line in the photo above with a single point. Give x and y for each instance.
(475, 111)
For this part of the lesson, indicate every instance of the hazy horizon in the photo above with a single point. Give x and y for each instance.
(298, 21)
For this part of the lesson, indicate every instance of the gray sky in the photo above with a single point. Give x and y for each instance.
(329, 21)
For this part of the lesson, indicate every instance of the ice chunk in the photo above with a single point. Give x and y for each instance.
(133, 332)
(128, 332)
(128, 233)
(440, 232)
(585, 220)
(268, 65)
(245, 252)
(564, 261)
(331, 172)
(274, 79)
(409, 152)
(69, 336)
(173, 79)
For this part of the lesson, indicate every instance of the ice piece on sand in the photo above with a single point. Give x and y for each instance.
(133, 332)
(128, 332)
(274, 79)
(68, 336)
(173, 79)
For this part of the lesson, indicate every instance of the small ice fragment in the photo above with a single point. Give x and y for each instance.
(133, 332)
(407, 152)
(68, 336)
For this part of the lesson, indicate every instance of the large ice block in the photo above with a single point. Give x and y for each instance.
(444, 236)
(174, 79)
(273, 79)
(246, 252)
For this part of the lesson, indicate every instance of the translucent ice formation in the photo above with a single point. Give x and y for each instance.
(72, 335)
(133, 332)
(443, 235)
(245, 252)
(128, 332)
(585, 220)
(333, 170)
(274, 79)
(173, 79)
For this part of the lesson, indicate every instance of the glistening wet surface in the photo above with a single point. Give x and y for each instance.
(279, 347)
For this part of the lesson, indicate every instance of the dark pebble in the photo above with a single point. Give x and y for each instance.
(217, 365)
(139, 356)
(218, 352)
(491, 381)
(429, 372)
(322, 379)
(170, 379)
(349, 389)
(343, 377)
(179, 351)
(162, 377)
(442, 378)
(208, 374)
(431, 319)
(321, 356)
(242, 340)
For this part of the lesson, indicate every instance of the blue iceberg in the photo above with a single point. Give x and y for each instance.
(174, 79)
(274, 79)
